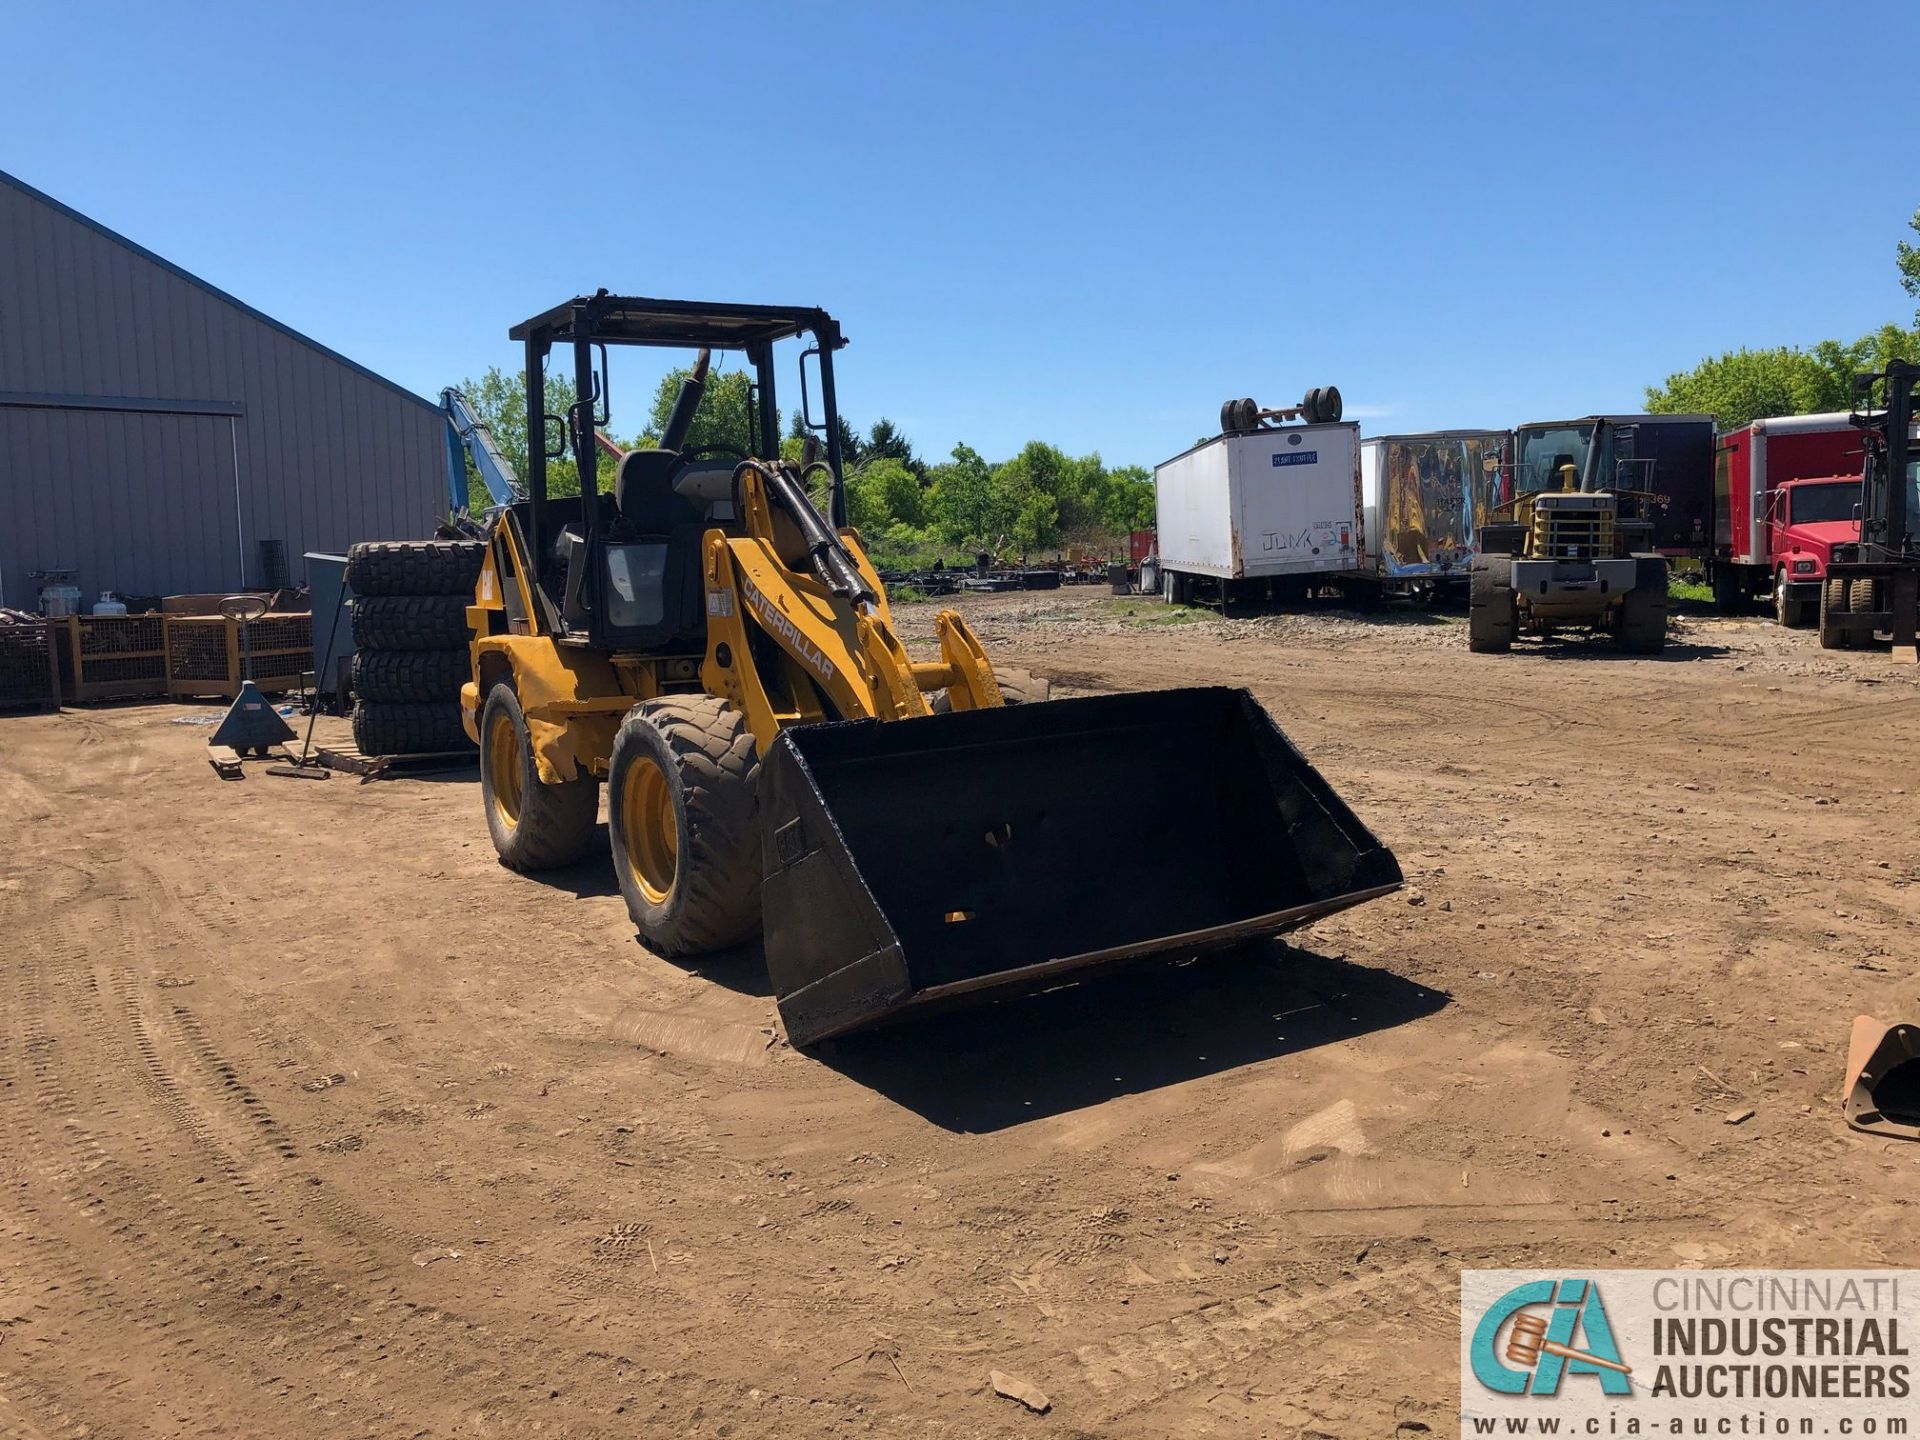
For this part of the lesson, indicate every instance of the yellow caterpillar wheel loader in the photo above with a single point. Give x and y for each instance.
(1578, 556)
(720, 656)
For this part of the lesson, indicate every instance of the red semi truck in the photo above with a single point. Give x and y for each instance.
(1785, 492)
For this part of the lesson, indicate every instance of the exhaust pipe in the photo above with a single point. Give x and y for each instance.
(686, 404)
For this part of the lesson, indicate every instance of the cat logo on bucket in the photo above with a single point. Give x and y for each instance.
(1517, 1350)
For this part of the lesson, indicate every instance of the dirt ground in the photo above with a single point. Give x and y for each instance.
(314, 1121)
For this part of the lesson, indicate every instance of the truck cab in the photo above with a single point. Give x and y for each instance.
(1805, 520)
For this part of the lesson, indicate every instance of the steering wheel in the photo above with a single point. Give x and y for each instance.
(244, 608)
(697, 452)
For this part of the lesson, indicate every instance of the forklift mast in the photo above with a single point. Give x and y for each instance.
(1888, 517)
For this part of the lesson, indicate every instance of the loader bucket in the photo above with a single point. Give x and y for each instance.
(912, 863)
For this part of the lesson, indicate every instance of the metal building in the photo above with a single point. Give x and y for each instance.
(158, 436)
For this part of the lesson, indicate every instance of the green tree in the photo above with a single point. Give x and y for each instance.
(964, 504)
(1127, 502)
(1743, 385)
(1908, 258)
(883, 493)
(885, 442)
(500, 399)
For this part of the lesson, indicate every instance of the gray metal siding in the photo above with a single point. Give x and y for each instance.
(142, 500)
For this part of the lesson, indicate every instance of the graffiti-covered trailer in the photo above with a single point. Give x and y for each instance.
(1261, 515)
(1424, 497)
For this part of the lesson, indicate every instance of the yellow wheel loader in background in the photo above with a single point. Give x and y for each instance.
(721, 656)
(1578, 556)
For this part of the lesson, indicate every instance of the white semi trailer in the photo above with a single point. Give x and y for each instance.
(1267, 510)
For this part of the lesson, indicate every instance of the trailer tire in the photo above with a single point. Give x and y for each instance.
(1493, 614)
(1643, 609)
(1177, 588)
(682, 823)
(1017, 687)
(400, 676)
(411, 729)
(411, 622)
(414, 567)
(1833, 604)
(1502, 537)
(1729, 590)
(534, 826)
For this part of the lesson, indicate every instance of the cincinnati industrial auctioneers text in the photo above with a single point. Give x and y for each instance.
(1776, 1337)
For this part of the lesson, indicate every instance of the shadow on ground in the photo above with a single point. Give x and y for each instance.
(588, 878)
(992, 1066)
(1602, 647)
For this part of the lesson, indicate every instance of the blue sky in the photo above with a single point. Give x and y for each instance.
(1083, 223)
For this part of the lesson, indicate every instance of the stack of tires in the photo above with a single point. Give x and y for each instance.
(410, 639)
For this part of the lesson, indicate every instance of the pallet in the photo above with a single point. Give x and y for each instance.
(377, 767)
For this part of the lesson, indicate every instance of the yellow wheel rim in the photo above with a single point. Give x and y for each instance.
(649, 828)
(503, 764)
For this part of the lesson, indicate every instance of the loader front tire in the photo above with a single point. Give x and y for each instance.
(534, 826)
(682, 824)
(1643, 609)
(1492, 614)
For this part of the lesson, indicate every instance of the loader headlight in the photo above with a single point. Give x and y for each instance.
(1803, 567)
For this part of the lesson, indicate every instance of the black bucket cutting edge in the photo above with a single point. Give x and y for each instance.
(917, 864)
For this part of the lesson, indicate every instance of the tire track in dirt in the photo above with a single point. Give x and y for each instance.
(104, 1161)
(1139, 1369)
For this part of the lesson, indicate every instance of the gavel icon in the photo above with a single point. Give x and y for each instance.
(1528, 1342)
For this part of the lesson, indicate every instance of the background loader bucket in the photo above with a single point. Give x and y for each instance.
(913, 862)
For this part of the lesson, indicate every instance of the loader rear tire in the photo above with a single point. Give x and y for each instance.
(414, 567)
(682, 824)
(534, 826)
(1017, 687)
(1833, 604)
(1493, 614)
(411, 622)
(410, 675)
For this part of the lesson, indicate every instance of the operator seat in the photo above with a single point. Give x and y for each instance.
(653, 590)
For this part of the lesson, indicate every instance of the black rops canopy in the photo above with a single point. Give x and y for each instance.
(687, 324)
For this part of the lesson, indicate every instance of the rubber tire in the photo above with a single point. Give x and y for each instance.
(414, 567)
(415, 729)
(1643, 610)
(1493, 615)
(1502, 537)
(400, 676)
(1176, 588)
(1861, 599)
(411, 622)
(1729, 590)
(1787, 614)
(1017, 687)
(556, 822)
(707, 753)
(1833, 601)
